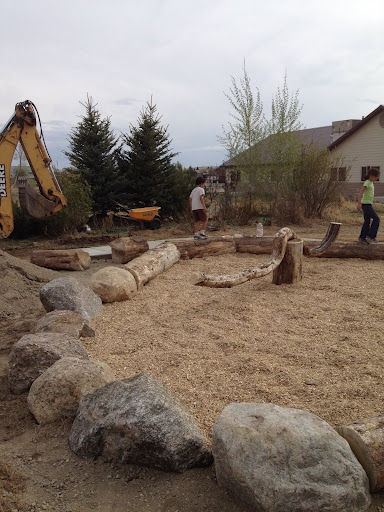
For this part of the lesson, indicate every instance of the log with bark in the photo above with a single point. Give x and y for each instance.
(254, 245)
(350, 250)
(146, 267)
(200, 248)
(227, 281)
(346, 249)
(127, 248)
(71, 259)
(366, 439)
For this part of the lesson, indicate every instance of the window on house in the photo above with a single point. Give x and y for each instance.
(365, 169)
(339, 173)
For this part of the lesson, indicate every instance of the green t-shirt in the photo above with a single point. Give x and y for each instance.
(369, 192)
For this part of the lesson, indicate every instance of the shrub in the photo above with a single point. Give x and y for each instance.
(78, 195)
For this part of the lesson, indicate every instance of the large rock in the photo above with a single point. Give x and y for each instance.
(286, 460)
(57, 392)
(113, 284)
(139, 421)
(35, 353)
(69, 294)
(67, 322)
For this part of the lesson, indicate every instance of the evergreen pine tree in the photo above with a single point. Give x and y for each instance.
(92, 147)
(146, 174)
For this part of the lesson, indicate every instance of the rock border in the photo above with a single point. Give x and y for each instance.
(367, 434)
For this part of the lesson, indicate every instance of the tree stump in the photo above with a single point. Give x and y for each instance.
(71, 259)
(152, 263)
(290, 269)
(127, 248)
(366, 439)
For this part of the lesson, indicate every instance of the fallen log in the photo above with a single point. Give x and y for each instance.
(291, 267)
(349, 250)
(338, 249)
(200, 248)
(146, 267)
(366, 439)
(127, 248)
(228, 281)
(71, 259)
(254, 245)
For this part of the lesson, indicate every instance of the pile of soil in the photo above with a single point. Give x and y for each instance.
(19, 296)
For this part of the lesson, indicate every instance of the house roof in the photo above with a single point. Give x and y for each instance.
(357, 126)
(322, 136)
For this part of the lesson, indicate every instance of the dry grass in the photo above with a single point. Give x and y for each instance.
(347, 212)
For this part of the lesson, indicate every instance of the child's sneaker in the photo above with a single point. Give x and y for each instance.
(203, 236)
(197, 236)
(363, 241)
(372, 240)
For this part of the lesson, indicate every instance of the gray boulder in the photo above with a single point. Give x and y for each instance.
(35, 353)
(57, 392)
(139, 421)
(286, 460)
(67, 322)
(69, 294)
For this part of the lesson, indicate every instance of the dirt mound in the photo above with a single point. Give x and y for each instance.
(19, 295)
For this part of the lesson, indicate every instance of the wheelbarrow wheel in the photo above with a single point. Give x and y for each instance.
(155, 223)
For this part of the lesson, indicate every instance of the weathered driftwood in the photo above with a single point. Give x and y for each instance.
(71, 259)
(200, 248)
(366, 439)
(153, 262)
(127, 248)
(290, 269)
(327, 241)
(227, 281)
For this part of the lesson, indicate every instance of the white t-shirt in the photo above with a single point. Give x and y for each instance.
(195, 195)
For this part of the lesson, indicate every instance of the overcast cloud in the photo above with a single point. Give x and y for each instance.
(183, 54)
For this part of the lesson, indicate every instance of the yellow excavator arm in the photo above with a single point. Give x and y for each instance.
(22, 128)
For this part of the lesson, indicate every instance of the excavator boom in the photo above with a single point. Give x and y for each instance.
(22, 128)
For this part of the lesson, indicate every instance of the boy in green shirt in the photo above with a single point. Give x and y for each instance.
(365, 202)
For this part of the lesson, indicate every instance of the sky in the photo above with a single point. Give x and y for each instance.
(183, 54)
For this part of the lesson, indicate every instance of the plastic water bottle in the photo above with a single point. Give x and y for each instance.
(259, 229)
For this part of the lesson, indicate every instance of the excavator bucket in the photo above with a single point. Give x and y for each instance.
(32, 202)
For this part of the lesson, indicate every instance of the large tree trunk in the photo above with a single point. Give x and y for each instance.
(126, 248)
(200, 248)
(227, 281)
(366, 439)
(153, 262)
(71, 259)
(290, 269)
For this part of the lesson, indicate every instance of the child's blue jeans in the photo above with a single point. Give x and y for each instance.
(369, 229)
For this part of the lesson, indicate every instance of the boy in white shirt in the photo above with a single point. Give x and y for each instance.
(198, 208)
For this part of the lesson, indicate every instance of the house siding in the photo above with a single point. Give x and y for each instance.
(363, 148)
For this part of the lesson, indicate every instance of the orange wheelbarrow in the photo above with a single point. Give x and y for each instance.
(148, 215)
